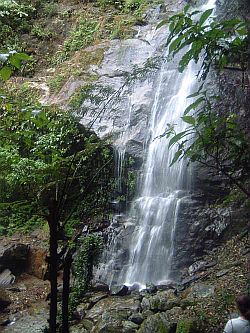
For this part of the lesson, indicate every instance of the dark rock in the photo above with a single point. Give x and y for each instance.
(4, 299)
(100, 286)
(187, 281)
(6, 278)
(144, 292)
(246, 251)
(5, 322)
(136, 318)
(120, 290)
(14, 257)
(210, 264)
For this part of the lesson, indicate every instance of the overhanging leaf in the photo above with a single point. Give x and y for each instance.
(176, 157)
(15, 61)
(205, 16)
(5, 73)
(175, 43)
(189, 120)
(162, 23)
(176, 138)
(194, 105)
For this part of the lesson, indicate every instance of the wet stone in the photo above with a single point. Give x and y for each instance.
(6, 278)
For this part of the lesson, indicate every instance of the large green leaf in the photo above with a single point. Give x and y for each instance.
(205, 16)
(177, 155)
(176, 138)
(175, 43)
(15, 61)
(162, 23)
(189, 120)
(194, 105)
(5, 73)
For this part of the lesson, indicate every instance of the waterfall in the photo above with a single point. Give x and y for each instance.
(155, 210)
(142, 246)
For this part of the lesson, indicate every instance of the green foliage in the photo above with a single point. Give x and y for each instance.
(87, 257)
(186, 326)
(40, 32)
(56, 83)
(40, 149)
(21, 216)
(11, 61)
(14, 18)
(214, 137)
(219, 43)
(82, 36)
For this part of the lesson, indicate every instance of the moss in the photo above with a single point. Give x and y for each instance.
(187, 302)
(77, 68)
(187, 326)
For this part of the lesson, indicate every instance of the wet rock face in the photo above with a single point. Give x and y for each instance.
(201, 228)
(6, 278)
(14, 257)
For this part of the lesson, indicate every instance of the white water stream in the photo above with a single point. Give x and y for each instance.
(163, 187)
(151, 223)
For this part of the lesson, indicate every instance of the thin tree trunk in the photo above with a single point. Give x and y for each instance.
(53, 265)
(66, 291)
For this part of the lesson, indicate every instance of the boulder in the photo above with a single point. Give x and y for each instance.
(200, 290)
(14, 257)
(134, 288)
(129, 327)
(120, 290)
(37, 264)
(157, 323)
(196, 267)
(100, 286)
(166, 285)
(110, 312)
(4, 299)
(162, 301)
(136, 318)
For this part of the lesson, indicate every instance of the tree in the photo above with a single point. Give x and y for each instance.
(64, 168)
(215, 136)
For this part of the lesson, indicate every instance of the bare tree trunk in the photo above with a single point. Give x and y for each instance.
(53, 265)
(66, 291)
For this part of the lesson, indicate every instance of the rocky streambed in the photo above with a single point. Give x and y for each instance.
(201, 302)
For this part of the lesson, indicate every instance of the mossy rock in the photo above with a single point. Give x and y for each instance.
(157, 323)
(187, 326)
(187, 302)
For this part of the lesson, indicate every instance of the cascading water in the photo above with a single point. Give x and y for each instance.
(163, 187)
(142, 246)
